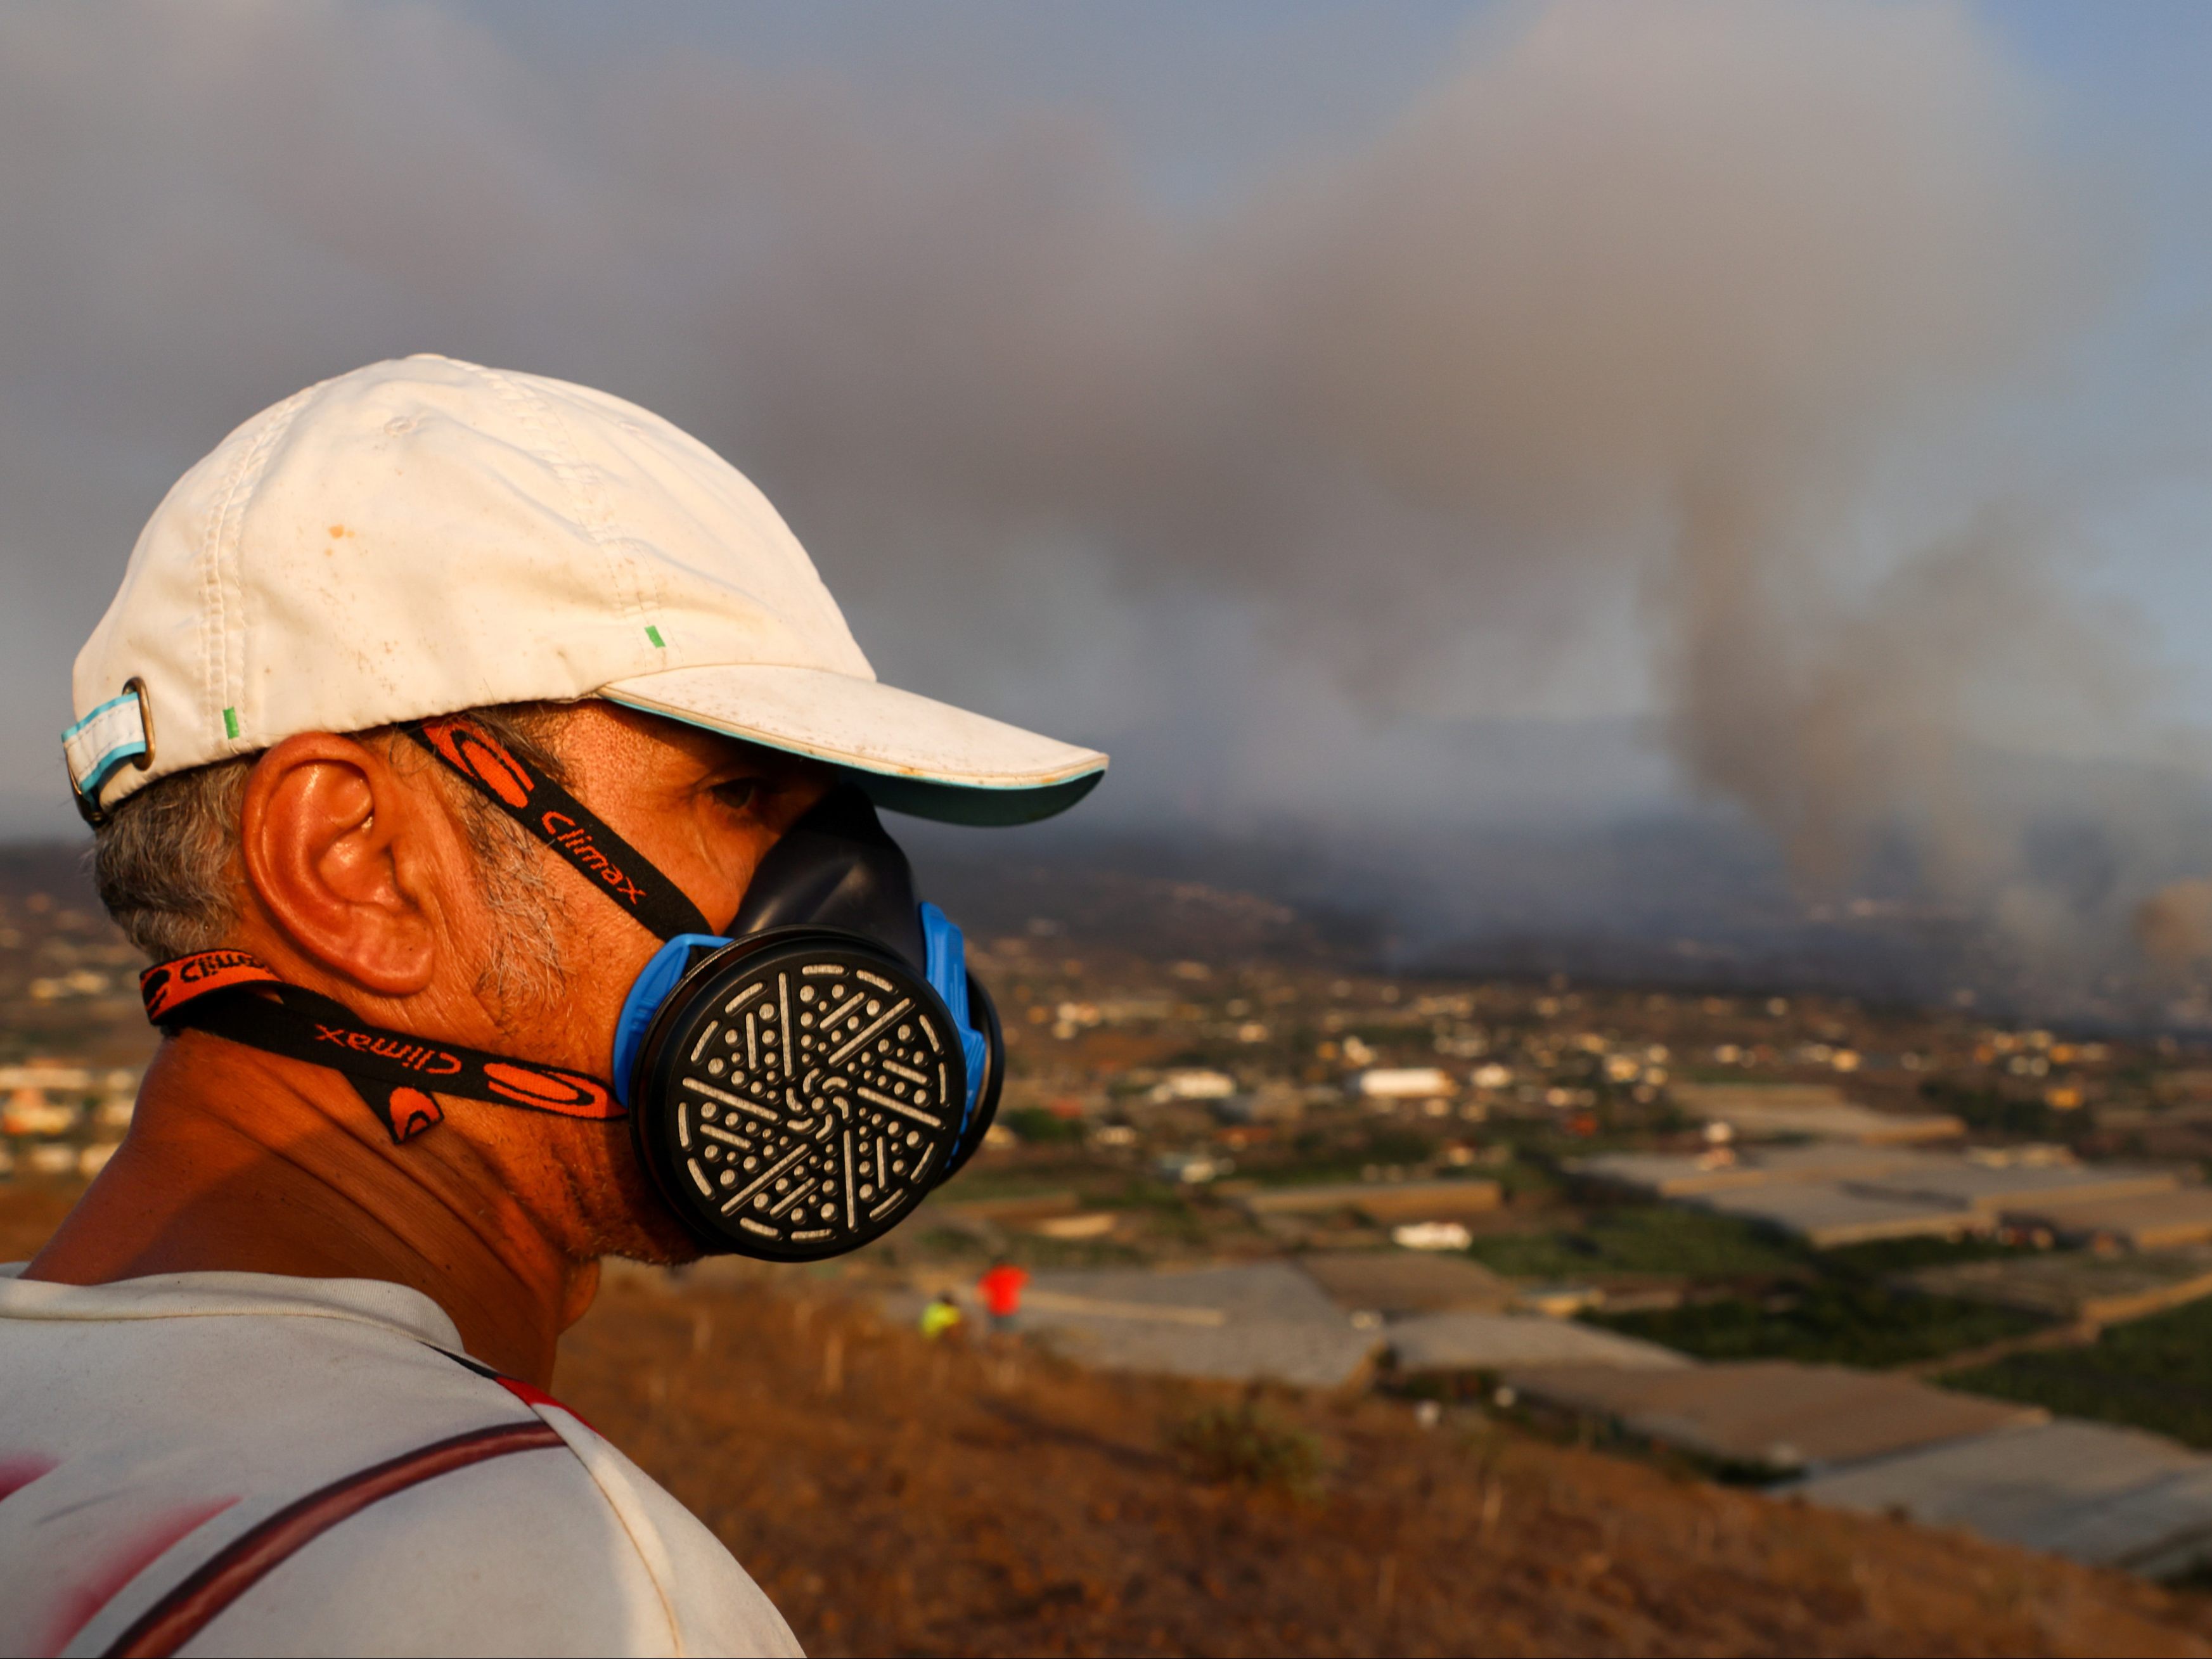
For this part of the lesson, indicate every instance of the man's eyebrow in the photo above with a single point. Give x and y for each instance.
(740, 766)
(764, 773)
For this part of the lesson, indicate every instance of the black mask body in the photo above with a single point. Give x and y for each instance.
(797, 1086)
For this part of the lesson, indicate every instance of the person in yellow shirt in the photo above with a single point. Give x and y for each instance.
(940, 1316)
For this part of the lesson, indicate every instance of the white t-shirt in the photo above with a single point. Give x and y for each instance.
(241, 1463)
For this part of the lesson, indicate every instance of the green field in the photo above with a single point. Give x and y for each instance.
(1829, 1307)
(1038, 1127)
(1897, 1255)
(1829, 1322)
(1662, 1241)
(1994, 1110)
(2153, 1374)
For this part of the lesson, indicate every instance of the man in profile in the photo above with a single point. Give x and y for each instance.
(278, 1383)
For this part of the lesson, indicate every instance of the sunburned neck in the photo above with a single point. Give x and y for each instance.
(240, 1162)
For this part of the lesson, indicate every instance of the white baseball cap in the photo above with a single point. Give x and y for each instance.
(422, 537)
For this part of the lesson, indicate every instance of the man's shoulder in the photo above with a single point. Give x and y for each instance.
(369, 1486)
(558, 1546)
(269, 1375)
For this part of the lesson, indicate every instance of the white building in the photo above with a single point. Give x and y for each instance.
(1406, 1082)
(1193, 1084)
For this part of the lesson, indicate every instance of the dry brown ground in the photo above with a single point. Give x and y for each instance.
(894, 1497)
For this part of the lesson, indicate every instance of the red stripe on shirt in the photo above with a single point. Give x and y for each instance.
(188, 1608)
(535, 1397)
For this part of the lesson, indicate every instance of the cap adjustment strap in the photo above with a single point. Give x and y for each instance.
(119, 731)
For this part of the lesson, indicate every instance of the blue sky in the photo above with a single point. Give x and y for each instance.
(2132, 82)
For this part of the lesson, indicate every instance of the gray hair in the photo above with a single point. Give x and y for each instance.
(164, 861)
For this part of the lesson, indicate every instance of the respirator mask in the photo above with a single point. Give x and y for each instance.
(796, 1081)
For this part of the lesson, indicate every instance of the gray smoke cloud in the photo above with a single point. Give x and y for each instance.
(1707, 316)
(2174, 925)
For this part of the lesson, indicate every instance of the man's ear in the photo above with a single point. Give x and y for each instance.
(336, 849)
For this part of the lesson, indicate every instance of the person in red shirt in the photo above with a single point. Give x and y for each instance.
(1001, 1290)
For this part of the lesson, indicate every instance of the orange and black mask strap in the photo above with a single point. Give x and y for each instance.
(231, 994)
(564, 824)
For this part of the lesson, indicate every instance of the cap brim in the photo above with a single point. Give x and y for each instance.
(910, 753)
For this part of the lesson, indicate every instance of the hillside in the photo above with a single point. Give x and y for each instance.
(895, 1498)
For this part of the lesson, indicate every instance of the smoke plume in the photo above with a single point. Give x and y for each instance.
(2174, 925)
(1653, 297)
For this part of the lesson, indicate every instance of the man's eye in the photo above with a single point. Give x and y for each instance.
(739, 794)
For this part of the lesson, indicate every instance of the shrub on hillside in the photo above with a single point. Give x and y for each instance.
(1242, 1445)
